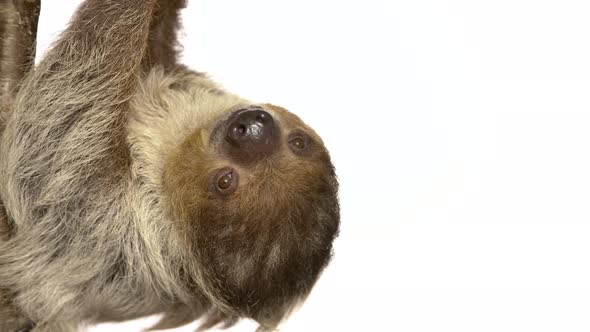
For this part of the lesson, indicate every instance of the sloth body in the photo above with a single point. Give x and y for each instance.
(132, 185)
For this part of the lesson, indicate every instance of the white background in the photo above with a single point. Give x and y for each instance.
(461, 135)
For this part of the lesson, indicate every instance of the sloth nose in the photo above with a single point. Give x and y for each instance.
(253, 133)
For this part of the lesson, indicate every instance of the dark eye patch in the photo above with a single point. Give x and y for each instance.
(224, 181)
(299, 142)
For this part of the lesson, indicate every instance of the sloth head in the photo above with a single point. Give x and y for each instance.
(253, 193)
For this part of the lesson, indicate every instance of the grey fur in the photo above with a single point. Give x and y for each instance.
(86, 235)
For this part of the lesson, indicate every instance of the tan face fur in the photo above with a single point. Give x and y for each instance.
(267, 239)
(131, 185)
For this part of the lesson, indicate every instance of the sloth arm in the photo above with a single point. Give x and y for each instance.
(162, 40)
(71, 111)
(64, 145)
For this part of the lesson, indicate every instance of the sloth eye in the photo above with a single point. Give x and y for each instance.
(226, 181)
(299, 143)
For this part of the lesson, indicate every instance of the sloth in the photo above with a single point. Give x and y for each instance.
(131, 185)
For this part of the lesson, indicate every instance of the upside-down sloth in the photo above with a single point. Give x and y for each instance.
(132, 185)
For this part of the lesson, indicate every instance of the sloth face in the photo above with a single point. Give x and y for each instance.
(251, 137)
(257, 195)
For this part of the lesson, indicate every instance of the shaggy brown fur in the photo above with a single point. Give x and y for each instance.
(108, 169)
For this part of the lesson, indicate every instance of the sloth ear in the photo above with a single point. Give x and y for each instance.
(163, 45)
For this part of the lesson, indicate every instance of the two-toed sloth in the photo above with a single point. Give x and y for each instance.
(132, 185)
